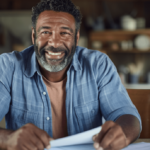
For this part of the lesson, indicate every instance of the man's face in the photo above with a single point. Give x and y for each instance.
(54, 41)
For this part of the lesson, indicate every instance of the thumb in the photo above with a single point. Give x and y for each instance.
(49, 146)
(51, 139)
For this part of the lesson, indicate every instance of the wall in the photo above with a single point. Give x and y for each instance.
(16, 30)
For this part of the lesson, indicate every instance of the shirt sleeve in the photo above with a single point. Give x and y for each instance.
(4, 101)
(113, 97)
(6, 70)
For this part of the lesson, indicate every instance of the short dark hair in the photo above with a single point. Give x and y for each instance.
(57, 5)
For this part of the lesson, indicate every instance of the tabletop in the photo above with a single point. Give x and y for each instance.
(142, 140)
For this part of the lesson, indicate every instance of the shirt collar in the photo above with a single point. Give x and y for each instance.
(75, 61)
(30, 61)
(32, 65)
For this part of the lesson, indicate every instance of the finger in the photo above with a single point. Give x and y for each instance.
(48, 147)
(34, 140)
(40, 134)
(94, 137)
(98, 138)
(29, 145)
(43, 137)
(105, 128)
(96, 145)
(109, 137)
(24, 148)
(118, 143)
(28, 141)
(51, 139)
(38, 143)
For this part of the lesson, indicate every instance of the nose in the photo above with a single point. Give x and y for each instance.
(54, 40)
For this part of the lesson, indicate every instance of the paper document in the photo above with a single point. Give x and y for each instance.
(75, 147)
(83, 141)
(81, 138)
(137, 146)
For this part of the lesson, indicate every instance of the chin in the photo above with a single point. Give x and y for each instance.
(53, 67)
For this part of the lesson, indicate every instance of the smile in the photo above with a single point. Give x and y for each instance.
(57, 55)
(50, 53)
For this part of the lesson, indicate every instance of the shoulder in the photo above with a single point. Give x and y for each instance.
(96, 63)
(15, 56)
(11, 63)
(91, 57)
(7, 61)
(6, 68)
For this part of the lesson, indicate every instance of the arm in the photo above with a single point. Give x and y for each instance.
(119, 134)
(130, 126)
(115, 105)
(27, 137)
(3, 136)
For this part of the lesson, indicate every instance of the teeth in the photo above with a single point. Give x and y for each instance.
(54, 53)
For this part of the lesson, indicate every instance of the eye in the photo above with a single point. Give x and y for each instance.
(64, 33)
(45, 32)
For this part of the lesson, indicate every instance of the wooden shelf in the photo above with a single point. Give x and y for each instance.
(119, 32)
(127, 0)
(116, 35)
(134, 51)
(115, 0)
(109, 37)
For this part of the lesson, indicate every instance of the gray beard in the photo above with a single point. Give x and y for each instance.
(59, 67)
(52, 68)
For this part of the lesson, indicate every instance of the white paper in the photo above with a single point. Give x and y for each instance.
(81, 138)
(75, 147)
(137, 146)
(83, 141)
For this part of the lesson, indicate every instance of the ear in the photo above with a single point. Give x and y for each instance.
(33, 35)
(78, 36)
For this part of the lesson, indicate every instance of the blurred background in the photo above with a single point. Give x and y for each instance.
(119, 28)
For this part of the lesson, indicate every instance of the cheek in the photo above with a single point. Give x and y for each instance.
(70, 42)
(69, 46)
(40, 42)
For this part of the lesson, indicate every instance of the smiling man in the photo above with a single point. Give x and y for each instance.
(55, 88)
(55, 40)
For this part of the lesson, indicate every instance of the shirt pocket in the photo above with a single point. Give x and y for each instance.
(19, 117)
(88, 116)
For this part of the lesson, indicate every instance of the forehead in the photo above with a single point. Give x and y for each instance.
(53, 17)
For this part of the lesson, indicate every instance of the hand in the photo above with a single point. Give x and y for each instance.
(28, 137)
(111, 137)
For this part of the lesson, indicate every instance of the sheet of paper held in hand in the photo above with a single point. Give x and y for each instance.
(83, 141)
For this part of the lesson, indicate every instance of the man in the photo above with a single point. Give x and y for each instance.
(57, 89)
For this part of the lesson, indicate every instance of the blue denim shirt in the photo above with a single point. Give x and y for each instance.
(93, 90)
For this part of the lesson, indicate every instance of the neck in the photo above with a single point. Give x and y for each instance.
(54, 76)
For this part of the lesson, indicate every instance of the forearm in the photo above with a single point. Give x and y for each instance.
(131, 127)
(3, 137)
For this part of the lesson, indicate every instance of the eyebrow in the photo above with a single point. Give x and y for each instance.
(43, 27)
(67, 28)
(46, 27)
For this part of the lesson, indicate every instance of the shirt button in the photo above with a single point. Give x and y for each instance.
(44, 93)
(48, 118)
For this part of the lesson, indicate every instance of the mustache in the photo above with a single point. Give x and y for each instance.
(53, 49)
